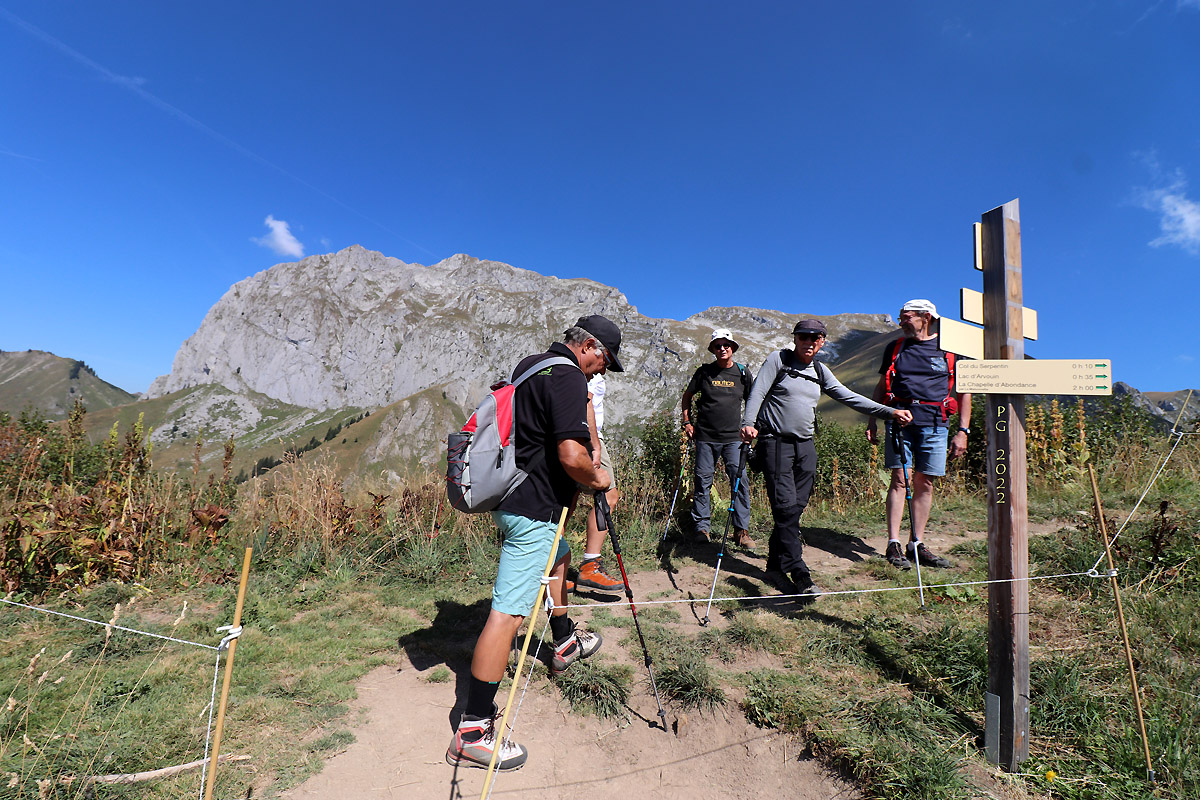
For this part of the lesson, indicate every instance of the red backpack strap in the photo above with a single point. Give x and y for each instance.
(950, 404)
(890, 373)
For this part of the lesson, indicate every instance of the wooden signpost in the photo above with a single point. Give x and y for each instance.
(1001, 372)
(1008, 526)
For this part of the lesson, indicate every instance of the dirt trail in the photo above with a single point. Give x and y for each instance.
(398, 752)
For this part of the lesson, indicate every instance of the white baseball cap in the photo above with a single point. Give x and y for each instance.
(727, 335)
(919, 304)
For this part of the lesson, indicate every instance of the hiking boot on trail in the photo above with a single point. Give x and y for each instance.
(781, 582)
(592, 576)
(895, 555)
(700, 537)
(926, 557)
(741, 537)
(475, 740)
(574, 646)
(805, 587)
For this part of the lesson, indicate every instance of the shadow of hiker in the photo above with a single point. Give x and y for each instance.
(450, 640)
(836, 543)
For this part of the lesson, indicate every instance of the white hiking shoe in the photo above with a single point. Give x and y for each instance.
(475, 740)
(579, 644)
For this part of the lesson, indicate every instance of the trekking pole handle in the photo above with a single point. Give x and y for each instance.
(603, 511)
(898, 442)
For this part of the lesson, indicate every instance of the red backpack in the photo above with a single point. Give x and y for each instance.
(481, 459)
(949, 405)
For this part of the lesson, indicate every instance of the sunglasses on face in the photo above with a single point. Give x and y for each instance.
(809, 337)
(604, 352)
(722, 346)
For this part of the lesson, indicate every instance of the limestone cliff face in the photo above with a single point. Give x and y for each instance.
(357, 328)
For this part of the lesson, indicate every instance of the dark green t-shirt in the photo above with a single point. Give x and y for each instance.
(719, 397)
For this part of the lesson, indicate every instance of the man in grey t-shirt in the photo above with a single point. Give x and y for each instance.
(781, 411)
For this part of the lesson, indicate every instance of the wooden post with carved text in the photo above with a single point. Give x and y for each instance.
(1008, 530)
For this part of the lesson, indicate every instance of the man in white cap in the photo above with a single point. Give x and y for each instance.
(722, 386)
(918, 375)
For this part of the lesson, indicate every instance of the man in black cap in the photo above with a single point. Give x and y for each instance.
(781, 413)
(553, 442)
(591, 569)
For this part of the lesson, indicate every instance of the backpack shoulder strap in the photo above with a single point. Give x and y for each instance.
(893, 353)
(745, 383)
(552, 361)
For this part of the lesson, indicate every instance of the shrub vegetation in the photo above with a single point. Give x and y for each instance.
(889, 695)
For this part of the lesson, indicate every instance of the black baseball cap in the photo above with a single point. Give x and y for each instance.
(810, 326)
(609, 335)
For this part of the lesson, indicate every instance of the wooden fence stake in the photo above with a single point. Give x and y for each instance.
(1112, 575)
(237, 621)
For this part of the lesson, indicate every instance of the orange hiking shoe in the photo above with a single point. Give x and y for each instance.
(592, 576)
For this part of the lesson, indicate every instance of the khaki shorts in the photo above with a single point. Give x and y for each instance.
(606, 465)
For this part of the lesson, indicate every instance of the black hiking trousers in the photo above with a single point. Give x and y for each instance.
(789, 470)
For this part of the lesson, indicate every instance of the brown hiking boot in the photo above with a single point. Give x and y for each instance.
(592, 576)
(700, 537)
(742, 539)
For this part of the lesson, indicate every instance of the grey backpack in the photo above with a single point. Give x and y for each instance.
(481, 459)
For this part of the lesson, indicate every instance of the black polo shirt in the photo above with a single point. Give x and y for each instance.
(549, 407)
(721, 391)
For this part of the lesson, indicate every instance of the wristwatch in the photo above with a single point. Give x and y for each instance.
(965, 430)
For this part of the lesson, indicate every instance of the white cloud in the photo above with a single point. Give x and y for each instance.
(1193, 4)
(280, 239)
(1179, 215)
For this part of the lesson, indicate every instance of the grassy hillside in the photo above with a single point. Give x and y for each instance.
(51, 385)
(876, 687)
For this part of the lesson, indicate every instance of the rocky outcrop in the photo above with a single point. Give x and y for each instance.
(357, 328)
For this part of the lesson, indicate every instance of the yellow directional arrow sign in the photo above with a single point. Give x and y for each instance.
(1092, 376)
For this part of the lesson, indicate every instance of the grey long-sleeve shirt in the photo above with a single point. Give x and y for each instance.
(791, 405)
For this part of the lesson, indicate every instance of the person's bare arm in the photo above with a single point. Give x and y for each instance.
(574, 457)
(958, 445)
(591, 417)
(878, 396)
(686, 407)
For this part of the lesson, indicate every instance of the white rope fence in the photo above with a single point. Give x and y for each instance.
(221, 647)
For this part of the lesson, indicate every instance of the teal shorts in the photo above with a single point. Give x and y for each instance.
(523, 557)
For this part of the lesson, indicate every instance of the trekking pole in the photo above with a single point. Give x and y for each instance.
(743, 452)
(604, 522)
(437, 520)
(898, 444)
(678, 483)
(502, 735)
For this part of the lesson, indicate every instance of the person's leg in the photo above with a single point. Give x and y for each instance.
(523, 555)
(591, 569)
(778, 460)
(705, 464)
(929, 464)
(804, 474)
(897, 497)
(731, 455)
(922, 503)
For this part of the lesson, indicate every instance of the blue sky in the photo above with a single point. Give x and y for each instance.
(815, 158)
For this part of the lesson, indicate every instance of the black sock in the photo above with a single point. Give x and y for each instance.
(481, 697)
(560, 627)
